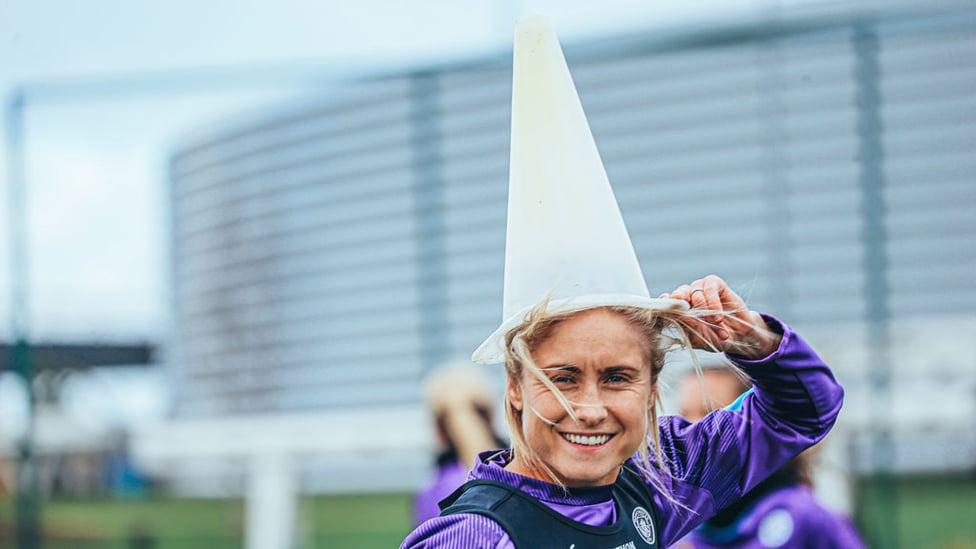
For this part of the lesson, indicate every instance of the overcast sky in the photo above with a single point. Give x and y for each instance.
(95, 159)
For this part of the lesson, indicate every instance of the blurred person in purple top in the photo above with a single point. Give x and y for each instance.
(782, 510)
(460, 402)
(592, 466)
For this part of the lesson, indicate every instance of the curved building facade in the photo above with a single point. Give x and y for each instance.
(327, 253)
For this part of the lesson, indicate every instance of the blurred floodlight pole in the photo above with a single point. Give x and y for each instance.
(871, 182)
(28, 500)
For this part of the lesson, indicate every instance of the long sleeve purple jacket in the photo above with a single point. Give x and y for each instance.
(789, 517)
(794, 402)
(447, 478)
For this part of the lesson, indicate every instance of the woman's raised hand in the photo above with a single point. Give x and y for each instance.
(733, 329)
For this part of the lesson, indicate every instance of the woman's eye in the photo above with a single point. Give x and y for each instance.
(616, 378)
(561, 377)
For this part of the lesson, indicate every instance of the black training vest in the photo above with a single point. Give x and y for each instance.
(532, 525)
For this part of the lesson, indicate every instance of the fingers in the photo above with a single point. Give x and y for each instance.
(733, 326)
(706, 294)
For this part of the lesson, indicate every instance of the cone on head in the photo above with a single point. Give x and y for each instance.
(566, 239)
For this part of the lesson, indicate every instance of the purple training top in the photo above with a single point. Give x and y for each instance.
(794, 402)
(787, 517)
(447, 478)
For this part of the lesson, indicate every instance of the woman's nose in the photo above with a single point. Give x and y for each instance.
(589, 406)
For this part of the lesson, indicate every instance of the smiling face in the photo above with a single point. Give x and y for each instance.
(600, 362)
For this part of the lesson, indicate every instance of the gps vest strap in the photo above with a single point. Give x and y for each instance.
(532, 525)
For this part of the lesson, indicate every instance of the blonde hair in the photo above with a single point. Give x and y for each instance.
(664, 330)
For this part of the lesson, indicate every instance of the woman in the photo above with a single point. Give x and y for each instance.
(461, 404)
(583, 345)
(592, 466)
(782, 511)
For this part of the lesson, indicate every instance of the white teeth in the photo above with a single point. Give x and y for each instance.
(594, 440)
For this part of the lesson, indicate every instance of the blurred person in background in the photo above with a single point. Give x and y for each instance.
(460, 400)
(780, 511)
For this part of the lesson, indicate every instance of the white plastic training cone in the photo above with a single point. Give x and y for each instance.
(566, 239)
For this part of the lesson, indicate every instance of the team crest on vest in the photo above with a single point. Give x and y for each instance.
(644, 524)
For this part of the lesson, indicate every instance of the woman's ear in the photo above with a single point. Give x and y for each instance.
(514, 394)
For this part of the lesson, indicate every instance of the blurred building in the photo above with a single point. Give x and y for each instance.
(820, 158)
